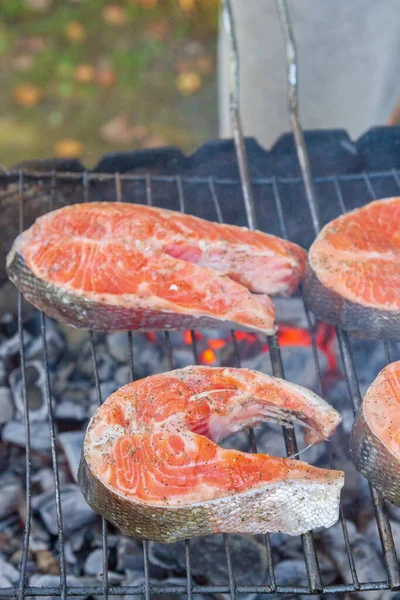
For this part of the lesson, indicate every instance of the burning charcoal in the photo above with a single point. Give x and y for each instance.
(147, 356)
(67, 410)
(106, 365)
(35, 384)
(40, 538)
(288, 546)
(76, 513)
(73, 401)
(367, 559)
(6, 405)
(45, 478)
(298, 362)
(10, 494)
(129, 553)
(8, 571)
(106, 388)
(62, 375)
(130, 558)
(54, 581)
(78, 537)
(338, 396)
(372, 534)
(46, 562)
(369, 358)
(270, 440)
(10, 347)
(347, 420)
(94, 563)
(5, 583)
(356, 500)
(238, 441)
(94, 566)
(14, 433)
(55, 341)
(3, 372)
(183, 357)
(294, 572)
(394, 511)
(8, 324)
(248, 557)
(133, 578)
(71, 442)
(118, 346)
(123, 375)
(290, 311)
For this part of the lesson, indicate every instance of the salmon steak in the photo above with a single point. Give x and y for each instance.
(353, 274)
(151, 465)
(375, 440)
(118, 266)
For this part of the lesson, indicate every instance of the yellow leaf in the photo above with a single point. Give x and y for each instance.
(188, 83)
(114, 14)
(84, 73)
(187, 5)
(27, 95)
(75, 32)
(69, 148)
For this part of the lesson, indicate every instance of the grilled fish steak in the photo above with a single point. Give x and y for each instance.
(117, 266)
(151, 465)
(375, 440)
(353, 274)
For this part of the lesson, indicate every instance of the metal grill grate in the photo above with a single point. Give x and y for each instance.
(87, 181)
(338, 191)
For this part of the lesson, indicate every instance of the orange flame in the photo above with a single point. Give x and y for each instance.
(216, 344)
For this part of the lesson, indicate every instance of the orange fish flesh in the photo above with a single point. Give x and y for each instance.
(151, 464)
(353, 274)
(110, 265)
(375, 442)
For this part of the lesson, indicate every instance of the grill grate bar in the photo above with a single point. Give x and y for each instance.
(28, 506)
(103, 521)
(196, 359)
(104, 546)
(310, 554)
(145, 544)
(176, 590)
(252, 436)
(65, 176)
(354, 393)
(52, 428)
(310, 324)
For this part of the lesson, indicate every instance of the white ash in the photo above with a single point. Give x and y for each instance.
(35, 390)
(6, 405)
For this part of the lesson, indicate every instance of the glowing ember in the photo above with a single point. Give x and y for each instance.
(216, 344)
(187, 337)
(208, 357)
(291, 336)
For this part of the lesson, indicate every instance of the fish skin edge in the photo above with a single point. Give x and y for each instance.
(362, 321)
(287, 507)
(84, 313)
(373, 459)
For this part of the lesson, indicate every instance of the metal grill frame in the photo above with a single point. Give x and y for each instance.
(315, 583)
